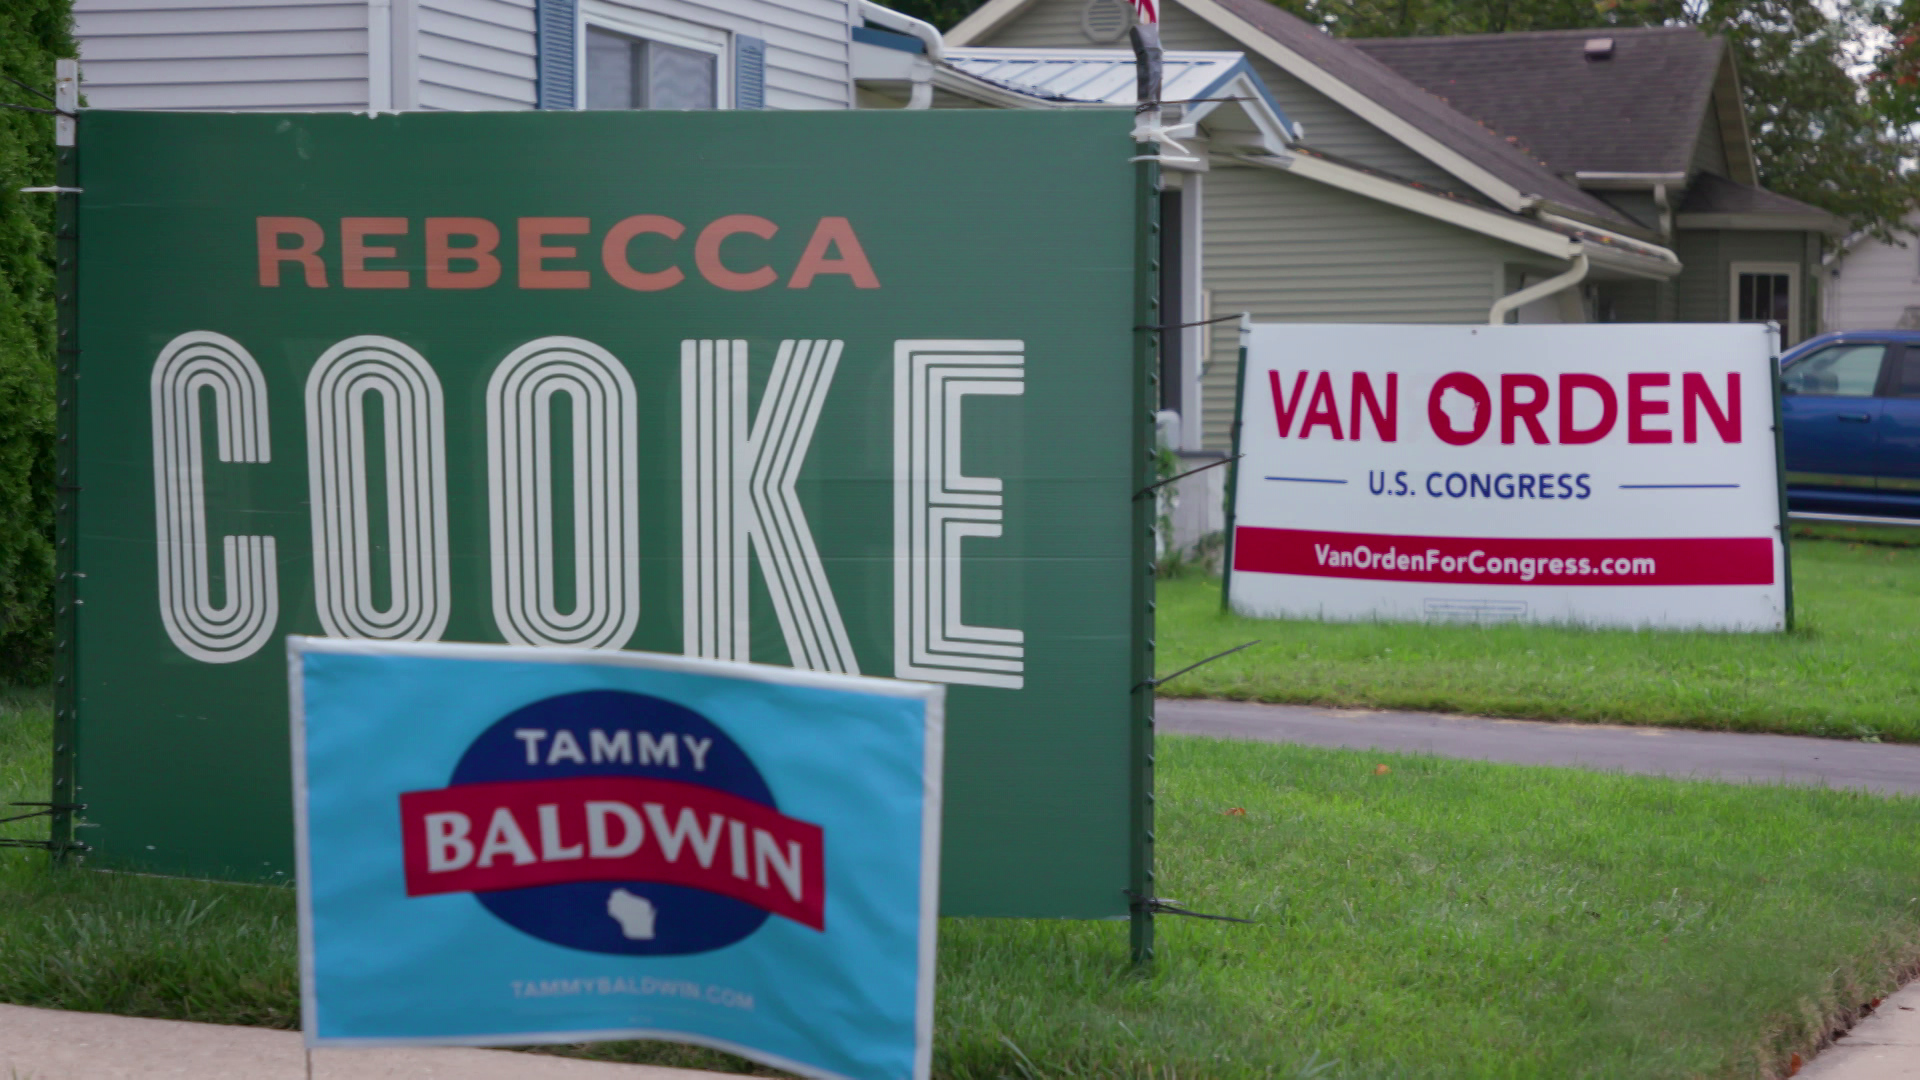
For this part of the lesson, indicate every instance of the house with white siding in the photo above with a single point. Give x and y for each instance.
(1875, 284)
(273, 55)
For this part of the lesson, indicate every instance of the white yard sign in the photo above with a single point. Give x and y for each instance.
(1621, 475)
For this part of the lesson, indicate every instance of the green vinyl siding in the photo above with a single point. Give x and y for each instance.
(1703, 291)
(1630, 301)
(1293, 250)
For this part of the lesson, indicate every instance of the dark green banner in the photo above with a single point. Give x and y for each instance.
(855, 392)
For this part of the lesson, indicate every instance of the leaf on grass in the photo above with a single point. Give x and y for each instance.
(1793, 1065)
(1235, 811)
(1381, 770)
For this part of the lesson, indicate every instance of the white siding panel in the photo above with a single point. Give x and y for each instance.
(220, 46)
(256, 70)
(515, 65)
(798, 90)
(299, 96)
(223, 54)
(512, 14)
(477, 55)
(99, 7)
(1292, 250)
(1874, 286)
(218, 21)
(488, 84)
(436, 23)
(455, 99)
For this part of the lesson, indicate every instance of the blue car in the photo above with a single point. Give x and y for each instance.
(1850, 403)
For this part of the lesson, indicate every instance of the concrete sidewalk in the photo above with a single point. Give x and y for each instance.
(48, 1044)
(1701, 755)
(1884, 1046)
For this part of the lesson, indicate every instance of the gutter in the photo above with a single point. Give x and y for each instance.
(1625, 242)
(1628, 181)
(922, 94)
(1508, 303)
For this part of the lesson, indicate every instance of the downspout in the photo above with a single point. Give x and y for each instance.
(929, 37)
(1506, 304)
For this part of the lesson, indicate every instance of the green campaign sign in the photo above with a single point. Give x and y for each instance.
(854, 392)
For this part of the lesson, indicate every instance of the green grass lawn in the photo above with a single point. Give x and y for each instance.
(1446, 919)
(1850, 669)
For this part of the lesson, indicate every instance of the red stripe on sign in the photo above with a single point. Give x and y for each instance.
(520, 833)
(1466, 560)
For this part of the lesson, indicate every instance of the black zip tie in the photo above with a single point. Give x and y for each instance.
(1160, 905)
(1150, 683)
(1184, 325)
(28, 87)
(1189, 472)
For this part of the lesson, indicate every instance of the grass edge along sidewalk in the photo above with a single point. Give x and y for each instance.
(1850, 669)
(1432, 919)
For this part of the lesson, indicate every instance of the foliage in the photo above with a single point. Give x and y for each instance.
(1850, 669)
(32, 33)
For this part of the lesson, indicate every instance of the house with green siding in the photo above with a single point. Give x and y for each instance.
(1563, 176)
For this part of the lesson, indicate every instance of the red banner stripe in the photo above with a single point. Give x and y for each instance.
(521, 833)
(1466, 560)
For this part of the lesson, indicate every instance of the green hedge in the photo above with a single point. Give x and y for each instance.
(32, 34)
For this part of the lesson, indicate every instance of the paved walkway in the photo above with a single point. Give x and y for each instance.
(1705, 755)
(47, 1044)
(1884, 1046)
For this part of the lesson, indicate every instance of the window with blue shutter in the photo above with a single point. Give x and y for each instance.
(749, 72)
(559, 22)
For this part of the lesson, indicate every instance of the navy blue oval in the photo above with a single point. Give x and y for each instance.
(578, 915)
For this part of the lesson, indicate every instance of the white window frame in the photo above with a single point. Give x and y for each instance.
(1790, 333)
(633, 22)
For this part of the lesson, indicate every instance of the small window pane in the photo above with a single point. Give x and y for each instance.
(612, 63)
(1842, 371)
(1765, 297)
(1782, 302)
(680, 78)
(1909, 374)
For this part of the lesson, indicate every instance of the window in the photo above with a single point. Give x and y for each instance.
(1841, 371)
(1907, 383)
(630, 71)
(1768, 292)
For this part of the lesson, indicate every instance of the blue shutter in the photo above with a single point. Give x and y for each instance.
(559, 22)
(749, 72)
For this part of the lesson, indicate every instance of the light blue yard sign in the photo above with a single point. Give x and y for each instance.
(502, 846)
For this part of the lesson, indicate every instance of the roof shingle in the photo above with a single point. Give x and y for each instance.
(1472, 138)
(1639, 111)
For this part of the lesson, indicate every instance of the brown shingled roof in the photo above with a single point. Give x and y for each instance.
(1639, 111)
(1471, 138)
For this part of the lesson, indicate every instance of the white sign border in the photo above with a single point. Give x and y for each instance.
(932, 695)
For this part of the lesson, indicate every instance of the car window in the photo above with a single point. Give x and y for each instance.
(1839, 371)
(1907, 385)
